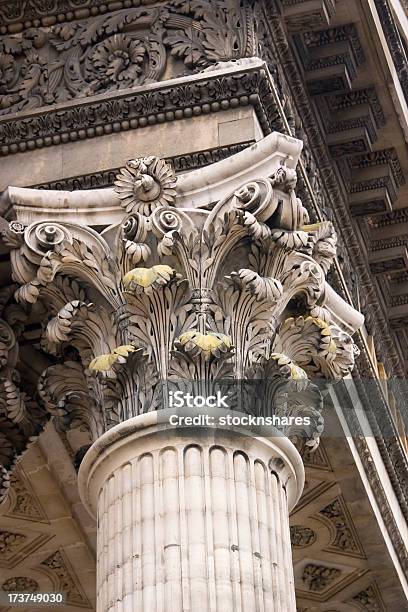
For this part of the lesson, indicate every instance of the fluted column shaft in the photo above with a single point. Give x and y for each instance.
(192, 519)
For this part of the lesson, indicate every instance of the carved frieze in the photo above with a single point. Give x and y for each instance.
(10, 542)
(20, 584)
(120, 50)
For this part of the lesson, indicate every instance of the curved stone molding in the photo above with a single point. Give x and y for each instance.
(186, 513)
(197, 189)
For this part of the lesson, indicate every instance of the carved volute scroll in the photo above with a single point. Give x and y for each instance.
(231, 291)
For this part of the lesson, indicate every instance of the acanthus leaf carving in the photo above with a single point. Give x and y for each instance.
(21, 418)
(160, 300)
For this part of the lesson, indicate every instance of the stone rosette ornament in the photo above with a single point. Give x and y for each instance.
(145, 184)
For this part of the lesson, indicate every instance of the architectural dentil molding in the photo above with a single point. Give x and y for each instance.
(212, 277)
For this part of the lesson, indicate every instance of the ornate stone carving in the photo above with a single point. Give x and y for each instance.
(318, 458)
(319, 168)
(25, 506)
(307, 14)
(9, 543)
(301, 536)
(391, 451)
(345, 538)
(358, 97)
(20, 584)
(120, 50)
(247, 84)
(337, 66)
(369, 599)
(68, 584)
(159, 299)
(21, 420)
(146, 184)
(318, 578)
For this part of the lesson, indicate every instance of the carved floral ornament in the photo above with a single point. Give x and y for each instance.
(120, 50)
(232, 291)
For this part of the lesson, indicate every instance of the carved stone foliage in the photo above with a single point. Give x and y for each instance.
(369, 599)
(301, 536)
(345, 537)
(21, 420)
(160, 300)
(318, 578)
(68, 583)
(9, 543)
(25, 505)
(123, 49)
(20, 584)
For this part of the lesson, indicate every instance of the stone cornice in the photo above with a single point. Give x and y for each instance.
(333, 193)
(400, 215)
(392, 454)
(394, 42)
(371, 470)
(243, 83)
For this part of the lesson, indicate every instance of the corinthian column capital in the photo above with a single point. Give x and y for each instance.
(212, 281)
(215, 275)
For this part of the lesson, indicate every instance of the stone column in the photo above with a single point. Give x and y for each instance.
(211, 278)
(192, 519)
